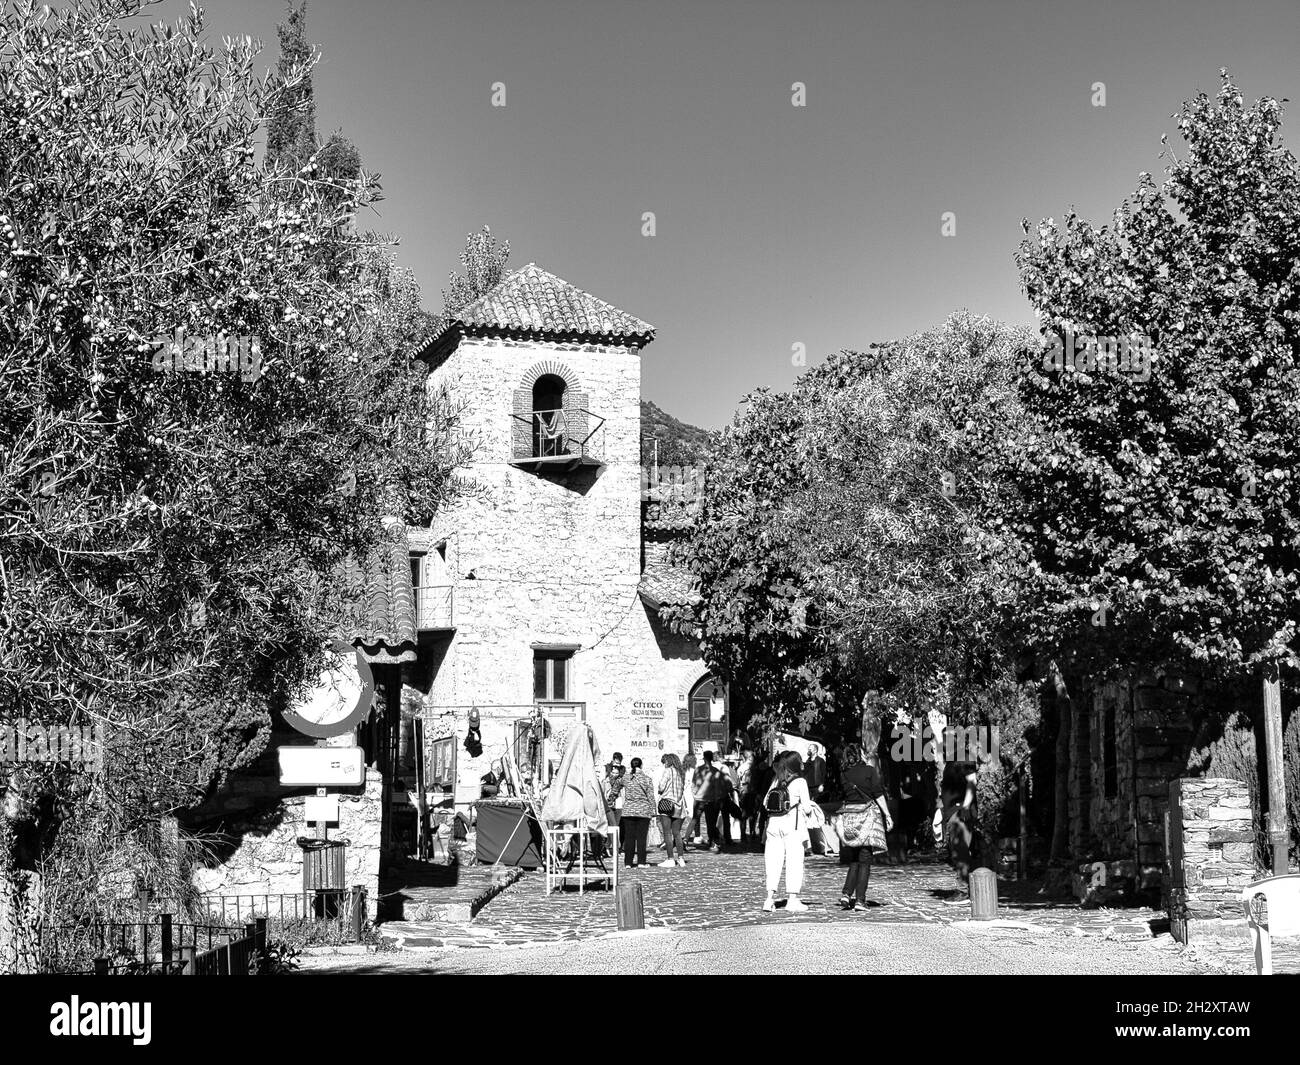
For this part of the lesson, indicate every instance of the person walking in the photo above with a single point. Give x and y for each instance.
(672, 808)
(786, 803)
(747, 799)
(862, 823)
(690, 817)
(729, 810)
(638, 808)
(708, 784)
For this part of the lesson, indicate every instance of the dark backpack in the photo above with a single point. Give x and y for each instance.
(777, 800)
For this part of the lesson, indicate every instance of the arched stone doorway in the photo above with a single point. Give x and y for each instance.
(710, 720)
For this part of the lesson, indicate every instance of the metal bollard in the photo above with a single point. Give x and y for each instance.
(631, 908)
(983, 895)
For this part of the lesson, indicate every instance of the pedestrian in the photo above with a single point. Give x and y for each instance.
(961, 817)
(672, 808)
(690, 817)
(708, 784)
(814, 772)
(786, 803)
(638, 808)
(862, 823)
(730, 807)
(762, 780)
(747, 798)
(614, 777)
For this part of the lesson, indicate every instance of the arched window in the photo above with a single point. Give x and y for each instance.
(550, 430)
(550, 417)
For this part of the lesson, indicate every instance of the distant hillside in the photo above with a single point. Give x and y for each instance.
(679, 444)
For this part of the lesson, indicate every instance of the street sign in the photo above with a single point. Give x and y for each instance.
(321, 766)
(321, 808)
(341, 697)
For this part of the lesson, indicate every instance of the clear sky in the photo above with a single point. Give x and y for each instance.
(775, 225)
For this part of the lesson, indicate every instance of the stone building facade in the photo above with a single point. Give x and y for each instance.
(549, 573)
(539, 588)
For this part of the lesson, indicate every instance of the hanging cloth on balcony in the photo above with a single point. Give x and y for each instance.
(553, 428)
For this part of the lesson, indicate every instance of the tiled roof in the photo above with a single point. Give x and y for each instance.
(663, 584)
(532, 302)
(385, 619)
(667, 508)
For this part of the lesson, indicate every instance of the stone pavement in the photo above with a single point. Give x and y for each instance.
(717, 891)
(787, 946)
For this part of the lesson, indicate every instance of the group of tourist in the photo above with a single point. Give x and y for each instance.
(776, 802)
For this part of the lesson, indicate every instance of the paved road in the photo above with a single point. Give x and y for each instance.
(791, 945)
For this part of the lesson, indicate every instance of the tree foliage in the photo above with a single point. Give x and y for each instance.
(169, 540)
(1170, 502)
(483, 263)
(841, 546)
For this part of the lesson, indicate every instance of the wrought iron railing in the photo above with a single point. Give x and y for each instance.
(434, 607)
(574, 433)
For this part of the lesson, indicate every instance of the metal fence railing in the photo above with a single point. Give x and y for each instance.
(168, 933)
(434, 607)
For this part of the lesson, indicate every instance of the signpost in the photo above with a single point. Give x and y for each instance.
(338, 702)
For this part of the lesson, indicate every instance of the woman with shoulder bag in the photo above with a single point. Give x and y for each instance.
(862, 822)
(671, 809)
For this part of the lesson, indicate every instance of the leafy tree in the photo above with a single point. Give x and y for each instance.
(168, 540)
(1158, 505)
(291, 139)
(483, 263)
(840, 547)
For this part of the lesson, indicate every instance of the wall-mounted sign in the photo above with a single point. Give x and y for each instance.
(321, 766)
(340, 699)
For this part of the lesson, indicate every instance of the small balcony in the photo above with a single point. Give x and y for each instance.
(435, 608)
(559, 440)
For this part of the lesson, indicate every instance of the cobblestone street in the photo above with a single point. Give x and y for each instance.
(726, 890)
(707, 918)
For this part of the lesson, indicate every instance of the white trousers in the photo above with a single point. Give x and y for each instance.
(784, 847)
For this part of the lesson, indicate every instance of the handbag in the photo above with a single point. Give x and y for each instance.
(667, 807)
(862, 825)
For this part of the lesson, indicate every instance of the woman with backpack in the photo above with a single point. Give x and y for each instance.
(638, 808)
(862, 823)
(786, 803)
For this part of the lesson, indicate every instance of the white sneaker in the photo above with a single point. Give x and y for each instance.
(681, 861)
(794, 906)
(769, 904)
(667, 863)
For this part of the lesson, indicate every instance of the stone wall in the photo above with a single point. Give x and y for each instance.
(253, 825)
(1211, 854)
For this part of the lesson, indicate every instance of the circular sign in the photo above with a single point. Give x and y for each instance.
(341, 697)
